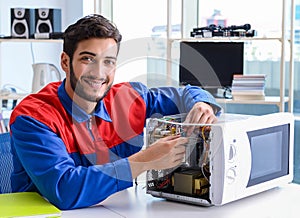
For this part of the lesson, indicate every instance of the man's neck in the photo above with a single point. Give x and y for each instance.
(85, 105)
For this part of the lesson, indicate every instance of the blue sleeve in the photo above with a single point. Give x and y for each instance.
(45, 158)
(170, 100)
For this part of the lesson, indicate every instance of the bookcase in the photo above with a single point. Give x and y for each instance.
(286, 41)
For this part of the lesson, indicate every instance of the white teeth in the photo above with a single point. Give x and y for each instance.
(95, 83)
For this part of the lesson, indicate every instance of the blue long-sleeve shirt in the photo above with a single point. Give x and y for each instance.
(76, 159)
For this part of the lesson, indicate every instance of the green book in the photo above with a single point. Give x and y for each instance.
(26, 204)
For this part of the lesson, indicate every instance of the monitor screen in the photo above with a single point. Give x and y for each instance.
(210, 64)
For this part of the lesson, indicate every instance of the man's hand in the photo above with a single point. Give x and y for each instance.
(201, 113)
(165, 153)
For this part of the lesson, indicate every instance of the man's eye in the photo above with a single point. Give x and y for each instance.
(88, 59)
(110, 62)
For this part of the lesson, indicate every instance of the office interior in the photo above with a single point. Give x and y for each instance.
(157, 26)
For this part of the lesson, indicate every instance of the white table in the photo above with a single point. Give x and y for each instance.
(282, 202)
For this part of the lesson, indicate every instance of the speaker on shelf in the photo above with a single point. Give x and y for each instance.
(22, 22)
(47, 20)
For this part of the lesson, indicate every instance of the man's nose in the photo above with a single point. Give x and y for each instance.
(99, 69)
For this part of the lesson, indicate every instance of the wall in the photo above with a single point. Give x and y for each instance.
(16, 58)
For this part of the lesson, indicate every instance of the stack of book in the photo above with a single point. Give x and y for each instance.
(248, 87)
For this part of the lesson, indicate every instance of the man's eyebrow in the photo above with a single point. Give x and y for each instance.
(111, 57)
(87, 52)
(93, 54)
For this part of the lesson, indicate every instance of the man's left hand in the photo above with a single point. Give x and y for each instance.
(201, 113)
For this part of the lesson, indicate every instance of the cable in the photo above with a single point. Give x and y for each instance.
(32, 53)
(227, 93)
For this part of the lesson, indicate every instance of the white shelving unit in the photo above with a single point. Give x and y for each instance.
(297, 117)
(18, 55)
(280, 100)
(18, 96)
(32, 40)
(273, 100)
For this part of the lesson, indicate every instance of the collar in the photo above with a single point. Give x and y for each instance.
(76, 111)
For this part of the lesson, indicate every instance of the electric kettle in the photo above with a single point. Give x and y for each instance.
(44, 73)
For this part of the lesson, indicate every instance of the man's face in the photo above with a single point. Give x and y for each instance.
(92, 70)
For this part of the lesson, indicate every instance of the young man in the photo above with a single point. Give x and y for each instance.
(78, 141)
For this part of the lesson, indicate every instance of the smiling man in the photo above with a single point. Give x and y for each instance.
(79, 140)
(91, 72)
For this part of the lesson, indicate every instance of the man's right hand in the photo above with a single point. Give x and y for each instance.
(165, 153)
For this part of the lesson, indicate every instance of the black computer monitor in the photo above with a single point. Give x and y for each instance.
(210, 65)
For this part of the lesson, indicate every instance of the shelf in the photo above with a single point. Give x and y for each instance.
(297, 116)
(13, 96)
(31, 40)
(226, 39)
(271, 100)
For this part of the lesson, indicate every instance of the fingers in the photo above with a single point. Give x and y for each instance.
(205, 118)
(181, 141)
(174, 140)
(178, 151)
(177, 155)
(169, 138)
(170, 151)
(201, 113)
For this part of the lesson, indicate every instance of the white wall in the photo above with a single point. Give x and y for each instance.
(16, 58)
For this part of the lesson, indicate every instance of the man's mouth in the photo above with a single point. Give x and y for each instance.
(96, 84)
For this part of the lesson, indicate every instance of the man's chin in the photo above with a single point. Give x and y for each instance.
(101, 95)
(94, 95)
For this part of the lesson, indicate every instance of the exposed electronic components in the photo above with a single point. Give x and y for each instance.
(192, 176)
(190, 182)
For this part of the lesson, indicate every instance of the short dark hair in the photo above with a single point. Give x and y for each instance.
(90, 26)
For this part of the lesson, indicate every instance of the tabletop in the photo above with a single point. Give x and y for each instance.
(281, 202)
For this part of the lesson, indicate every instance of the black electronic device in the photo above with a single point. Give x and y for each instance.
(22, 22)
(220, 31)
(210, 65)
(245, 27)
(47, 20)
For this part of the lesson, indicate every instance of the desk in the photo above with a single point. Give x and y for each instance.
(283, 202)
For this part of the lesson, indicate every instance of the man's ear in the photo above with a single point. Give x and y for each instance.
(65, 62)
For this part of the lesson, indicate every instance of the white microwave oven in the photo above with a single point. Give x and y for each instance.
(236, 157)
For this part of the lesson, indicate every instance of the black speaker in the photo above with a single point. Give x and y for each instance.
(22, 22)
(47, 20)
